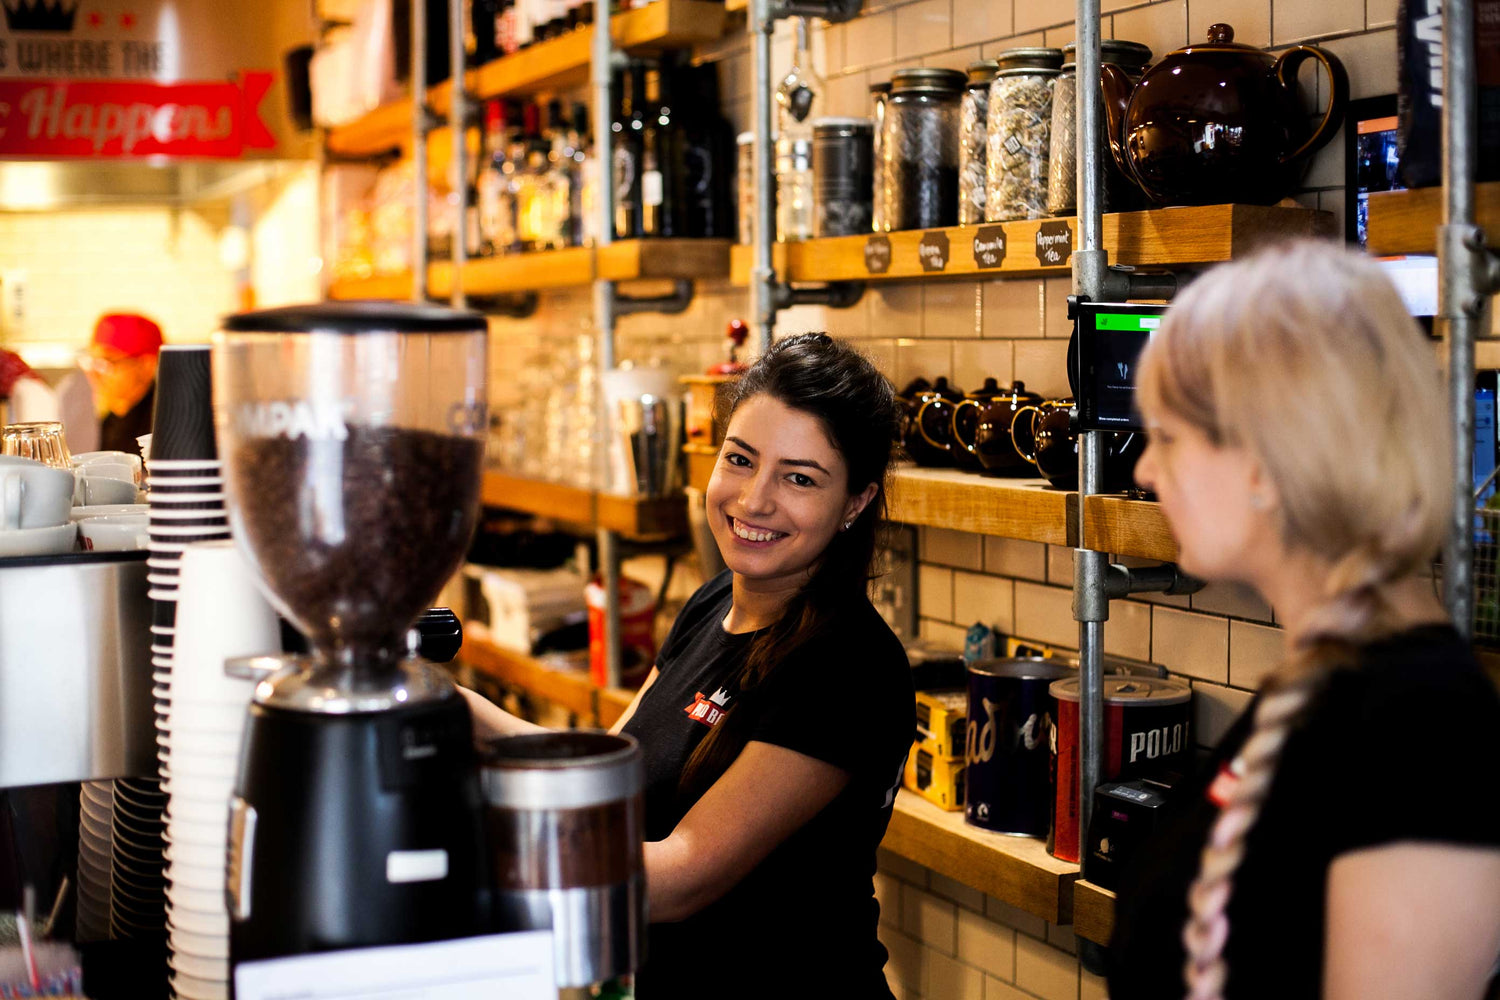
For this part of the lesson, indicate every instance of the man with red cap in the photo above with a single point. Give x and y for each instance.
(121, 365)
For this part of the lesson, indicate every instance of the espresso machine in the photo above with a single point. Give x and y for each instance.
(352, 442)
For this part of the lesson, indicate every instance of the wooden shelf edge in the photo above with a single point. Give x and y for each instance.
(570, 688)
(1406, 222)
(1204, 234)
(1026, 509)
(386, 286)
(1015, 870)
(546, 66)
(1126, 527)
(637, 518)
(1093, 912)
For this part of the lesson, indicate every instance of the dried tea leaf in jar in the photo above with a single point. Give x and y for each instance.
(1020, 134)
(973, 131)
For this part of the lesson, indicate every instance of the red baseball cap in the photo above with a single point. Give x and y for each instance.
(131, 334)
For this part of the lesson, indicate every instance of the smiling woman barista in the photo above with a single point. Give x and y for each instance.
(780, 711)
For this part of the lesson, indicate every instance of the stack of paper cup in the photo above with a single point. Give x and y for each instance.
(95, 860)
(221, 615)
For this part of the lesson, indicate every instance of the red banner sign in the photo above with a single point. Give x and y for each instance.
(64, 118)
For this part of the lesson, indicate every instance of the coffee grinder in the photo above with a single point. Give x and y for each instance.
(352, 441)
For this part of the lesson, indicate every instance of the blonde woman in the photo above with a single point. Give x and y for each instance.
(1345, 840)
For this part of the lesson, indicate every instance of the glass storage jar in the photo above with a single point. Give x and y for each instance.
(842, 176)
(919, 157)
(1062, 161)
(880, 93)
(973, 127)
(1020, 133)
(794, 189)
(745, 170)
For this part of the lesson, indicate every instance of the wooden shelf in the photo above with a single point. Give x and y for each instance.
(645, 260)
(638, 518)
(516, 272)
(1403, 222)
(1163, 237)
(628, 260)
(384, 286)
(1093, 912)
(570, 688)
(1027, 509)
(1126, 527)
(1015, 870)
(556, 64)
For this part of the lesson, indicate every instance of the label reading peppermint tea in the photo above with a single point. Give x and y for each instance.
(1054, 244)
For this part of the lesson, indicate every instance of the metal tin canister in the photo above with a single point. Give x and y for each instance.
(1008, 750)
(1147, 730)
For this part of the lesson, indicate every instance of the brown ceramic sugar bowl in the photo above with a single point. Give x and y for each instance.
(1219, 122)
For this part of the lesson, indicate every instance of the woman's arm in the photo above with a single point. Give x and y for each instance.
(490, 720)
(1412, 920)
(767, 794)
(634, 702)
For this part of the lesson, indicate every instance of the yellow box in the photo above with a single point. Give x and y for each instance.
(939, 780)
(942, 718)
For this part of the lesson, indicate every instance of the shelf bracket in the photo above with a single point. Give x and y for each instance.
(516, 305)
(832, 11)
(671, 304)
(1122, 581)
(834, 295)
(1126, 284)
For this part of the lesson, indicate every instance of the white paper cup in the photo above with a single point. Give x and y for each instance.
(157, 497)
(183, 463)
(174, 514)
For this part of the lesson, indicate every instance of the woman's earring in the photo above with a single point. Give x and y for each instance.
(1257, 501)
(849, 524)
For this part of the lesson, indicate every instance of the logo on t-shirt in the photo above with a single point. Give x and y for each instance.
(709, 710)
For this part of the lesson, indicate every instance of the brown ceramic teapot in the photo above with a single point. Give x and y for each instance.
(929, 434)
(981, 428)
(1219, 122)
(1046, 436)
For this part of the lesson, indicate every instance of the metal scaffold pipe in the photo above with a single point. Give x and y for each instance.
(1464, 291)
(601, 76)
(458, 120)
(762, 273)
(1090, 266)
(419, 152)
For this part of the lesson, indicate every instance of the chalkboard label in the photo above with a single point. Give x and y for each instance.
(933, 251)
(878, 254)
(1054, 244)
(989, 247)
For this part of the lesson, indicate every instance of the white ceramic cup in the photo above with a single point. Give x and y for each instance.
(33, 495)
(114, 532)
(91, 459)
(93, 491)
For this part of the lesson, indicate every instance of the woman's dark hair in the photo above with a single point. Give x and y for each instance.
(857, 408)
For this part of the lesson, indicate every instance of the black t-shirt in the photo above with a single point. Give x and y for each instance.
(1400, 749)
(120, 433)
(807, 913)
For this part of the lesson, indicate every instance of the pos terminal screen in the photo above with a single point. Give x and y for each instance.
(1110, 338)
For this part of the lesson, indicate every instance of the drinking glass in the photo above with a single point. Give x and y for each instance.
(42, 441)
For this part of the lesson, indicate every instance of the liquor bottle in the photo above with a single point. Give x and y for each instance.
(559, 178)
(496, 209)
(484, 17)
(588, 176)
(709, 155)
(661, 160)
(532, 202)
(627, 129)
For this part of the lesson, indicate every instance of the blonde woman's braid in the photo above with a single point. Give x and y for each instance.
(1354, 614)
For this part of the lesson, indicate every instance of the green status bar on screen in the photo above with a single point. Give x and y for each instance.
(1126, 321)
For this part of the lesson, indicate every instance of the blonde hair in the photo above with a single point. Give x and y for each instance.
(1304, 355)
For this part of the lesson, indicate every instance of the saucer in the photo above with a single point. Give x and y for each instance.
(38, 541)
(105, 509)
